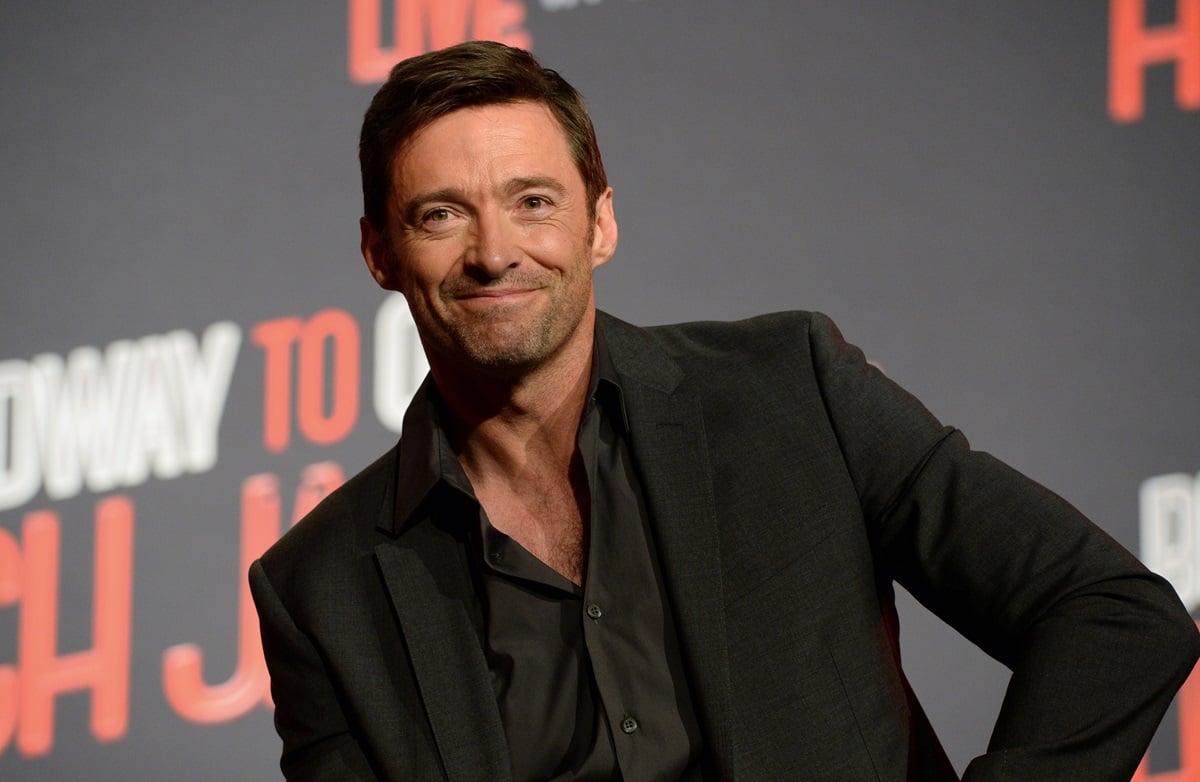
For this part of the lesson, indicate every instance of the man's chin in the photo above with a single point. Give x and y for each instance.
(493, 348)
(509, 344)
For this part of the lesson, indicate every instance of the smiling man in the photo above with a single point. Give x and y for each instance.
(498, 238)
(601, 552)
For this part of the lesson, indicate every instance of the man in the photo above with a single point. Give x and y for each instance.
(604, 552)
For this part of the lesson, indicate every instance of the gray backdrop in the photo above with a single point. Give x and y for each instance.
(944, 178)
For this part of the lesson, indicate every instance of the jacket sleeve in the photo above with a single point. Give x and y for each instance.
(317, 744)
(1097, 644)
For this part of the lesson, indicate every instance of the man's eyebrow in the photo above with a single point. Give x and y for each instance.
(518, 184)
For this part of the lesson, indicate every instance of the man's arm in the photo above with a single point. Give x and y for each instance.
(317, 744)
(1097, 644)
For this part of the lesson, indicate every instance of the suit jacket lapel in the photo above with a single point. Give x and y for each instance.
(669, 447)
(427, 580)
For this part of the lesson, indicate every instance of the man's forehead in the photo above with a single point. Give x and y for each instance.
(528, 120)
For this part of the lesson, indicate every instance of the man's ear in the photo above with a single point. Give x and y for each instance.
(375, 252)
(604, 229)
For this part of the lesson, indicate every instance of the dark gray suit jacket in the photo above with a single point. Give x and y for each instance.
(789, 484)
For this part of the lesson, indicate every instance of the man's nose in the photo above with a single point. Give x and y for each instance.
(493, 246)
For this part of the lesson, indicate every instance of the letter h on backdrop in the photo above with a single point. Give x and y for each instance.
(29, 578)
(1133, 47)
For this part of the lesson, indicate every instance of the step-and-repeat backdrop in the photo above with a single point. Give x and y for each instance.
(999, 201)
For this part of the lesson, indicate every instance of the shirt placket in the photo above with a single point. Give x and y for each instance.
(606, 619)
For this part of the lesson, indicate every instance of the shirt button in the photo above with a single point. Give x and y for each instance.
(629, 725)
(594, 611)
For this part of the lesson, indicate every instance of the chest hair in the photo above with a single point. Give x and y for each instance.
(547, 513)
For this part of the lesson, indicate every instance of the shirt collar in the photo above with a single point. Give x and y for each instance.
(424, 459)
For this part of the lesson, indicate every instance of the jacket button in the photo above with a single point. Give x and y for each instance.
(629, 725)
(594, 611)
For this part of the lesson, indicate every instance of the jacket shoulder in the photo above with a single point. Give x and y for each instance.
(782, 345)
(772, 334)
(749, 333)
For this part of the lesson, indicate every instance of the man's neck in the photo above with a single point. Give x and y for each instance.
(500, 424)
(515, 437)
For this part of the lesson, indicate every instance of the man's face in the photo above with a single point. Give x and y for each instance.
(490, 237)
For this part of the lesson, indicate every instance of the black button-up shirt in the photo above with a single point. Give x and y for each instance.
(588, 679)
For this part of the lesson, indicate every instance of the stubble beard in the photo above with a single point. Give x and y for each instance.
(505, 340)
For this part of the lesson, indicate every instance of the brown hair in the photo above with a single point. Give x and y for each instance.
(421, 89)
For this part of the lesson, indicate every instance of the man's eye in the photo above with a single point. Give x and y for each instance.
(533, 202)
(436, 216)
